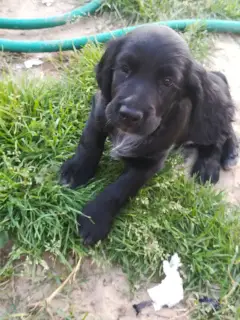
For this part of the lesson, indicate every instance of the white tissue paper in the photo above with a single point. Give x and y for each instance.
(32, 62)
(170, 291)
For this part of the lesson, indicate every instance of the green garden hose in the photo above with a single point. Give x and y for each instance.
(77, 43)
(49, 22)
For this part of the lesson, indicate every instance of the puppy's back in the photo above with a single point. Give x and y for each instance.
(221, 75)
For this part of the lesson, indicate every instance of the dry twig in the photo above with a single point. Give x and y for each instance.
(44, 304)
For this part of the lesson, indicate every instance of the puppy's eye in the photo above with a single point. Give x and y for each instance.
(167, 82)
(125, 68)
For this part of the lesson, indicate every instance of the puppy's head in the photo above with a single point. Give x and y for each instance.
(141, 75)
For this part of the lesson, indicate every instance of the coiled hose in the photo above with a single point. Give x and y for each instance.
(50, 22)
(77, 43)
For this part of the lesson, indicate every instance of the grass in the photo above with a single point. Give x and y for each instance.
(40, 124)
(153, 10)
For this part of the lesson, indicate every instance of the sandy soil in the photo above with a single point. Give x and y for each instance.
(226, 58)
(101, 293)
(97, 293)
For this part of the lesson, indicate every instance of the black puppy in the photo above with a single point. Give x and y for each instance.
(153, 96)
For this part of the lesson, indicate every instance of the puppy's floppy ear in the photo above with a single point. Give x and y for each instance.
(104, 69)
(212, 108)
(198, 131)
(194, 84)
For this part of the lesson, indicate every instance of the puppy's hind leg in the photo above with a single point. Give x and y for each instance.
(229, 156)
(207, 166)
(211, 158)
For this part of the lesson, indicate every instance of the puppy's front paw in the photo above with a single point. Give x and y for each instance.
(95, 224)
(76, 172)
(206, 170)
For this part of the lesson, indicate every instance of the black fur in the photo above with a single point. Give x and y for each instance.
(153, 95)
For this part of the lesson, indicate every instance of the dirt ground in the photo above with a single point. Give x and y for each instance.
(97, 292)
(37, 8)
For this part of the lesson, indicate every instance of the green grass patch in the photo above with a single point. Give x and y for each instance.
(154, 10)
(40, 124)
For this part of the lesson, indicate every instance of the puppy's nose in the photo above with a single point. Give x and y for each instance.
(130, 114)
